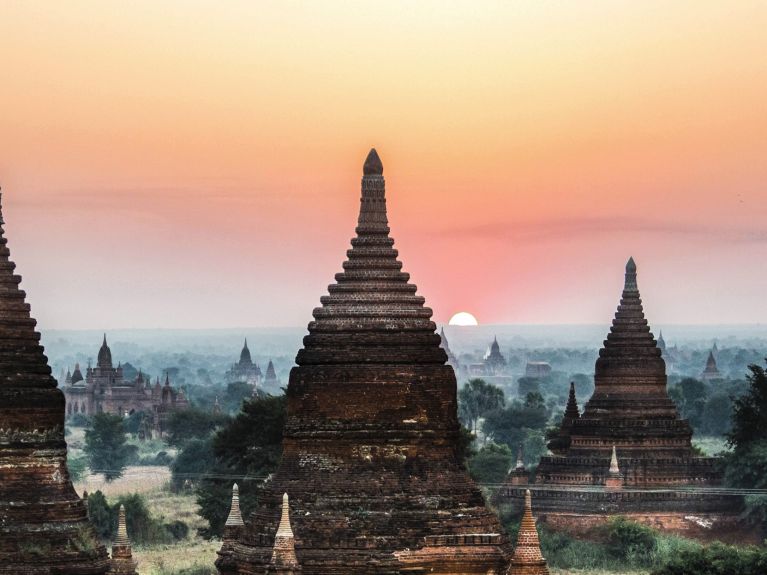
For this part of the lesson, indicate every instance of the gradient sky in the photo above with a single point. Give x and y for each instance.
(197, 164)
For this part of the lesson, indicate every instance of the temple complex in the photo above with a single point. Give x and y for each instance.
(245, 370)
(711, 371)
(44, 528)
(370, 451)
(105, 390)
(628, 451)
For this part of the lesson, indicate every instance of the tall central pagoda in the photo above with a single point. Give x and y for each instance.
(629, 452)
(44, 528)
(370, 452)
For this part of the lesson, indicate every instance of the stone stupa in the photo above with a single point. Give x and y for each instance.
(44, 528)
(370, 451)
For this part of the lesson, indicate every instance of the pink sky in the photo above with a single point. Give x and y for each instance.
(197, 164)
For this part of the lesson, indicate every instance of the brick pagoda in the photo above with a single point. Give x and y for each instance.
(628, 452)
(370, 452)
(44, 528)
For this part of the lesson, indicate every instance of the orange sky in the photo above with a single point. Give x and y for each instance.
(197, 164)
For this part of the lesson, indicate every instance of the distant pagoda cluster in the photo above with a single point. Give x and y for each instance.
(106, 390)
(629, 440)
(370, 452)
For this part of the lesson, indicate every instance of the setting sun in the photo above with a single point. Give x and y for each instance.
(463, 318)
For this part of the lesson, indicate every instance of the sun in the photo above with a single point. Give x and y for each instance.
(463, 318)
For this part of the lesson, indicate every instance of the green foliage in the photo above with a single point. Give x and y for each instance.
(716, 559)
(491, 464)
(143, 528)
(749, 415)
(247, 449)
(77, 467)
(106, 448)
(627, 539)
(533, 446)
(191, 424)
(79, 420)
(717, 415)
(237, 392)
(747, 465)
(476, 399)
(193, 463)
(513, 425)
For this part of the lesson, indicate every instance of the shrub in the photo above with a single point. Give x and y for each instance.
(630, 541)
(716, 559)
(142, 527)
(491, 464)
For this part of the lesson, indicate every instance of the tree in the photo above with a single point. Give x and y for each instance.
(246, 450)
(749, 411)
(193, 463)
(691, 400)
(237, 392)
(491, 464)
(476, 399)
(512, 425)
(192, 423)
(105, 446)
(746, 465)
(716, 415)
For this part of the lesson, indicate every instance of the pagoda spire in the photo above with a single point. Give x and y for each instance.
(630, 283)
(520, 459)
(373, 218)
(284, 560)
(571, 411)
(39, 509)
(122, 556)
(528, 559)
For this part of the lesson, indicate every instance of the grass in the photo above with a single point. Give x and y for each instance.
(136, 479)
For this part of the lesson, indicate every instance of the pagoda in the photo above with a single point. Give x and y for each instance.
(370, 451)
(711, 371)
(44, 528)
(628, 451)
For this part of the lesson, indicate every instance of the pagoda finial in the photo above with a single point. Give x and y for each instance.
(373, 165)
(571, 410)
(2, 221)
(235, 517)
(284, 552)
(631, 276)
(528, 558)
(372, 218)
(614, 469)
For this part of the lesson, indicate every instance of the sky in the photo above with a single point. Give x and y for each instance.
(197, 164)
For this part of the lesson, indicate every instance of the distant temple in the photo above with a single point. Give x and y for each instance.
(452, 360)
(495, 363)
(370, 451)
(44, 527)
(245, 370)
(105, 390)
(711, 371)
(628, 438)
(270, 379)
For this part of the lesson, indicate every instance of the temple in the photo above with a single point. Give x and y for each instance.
(122, 555)
(105, 390)
(270, 379)
(711, 371)
(528, 559)
(44, 528)
(628, 451)
(245, 370)
(370, 451)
